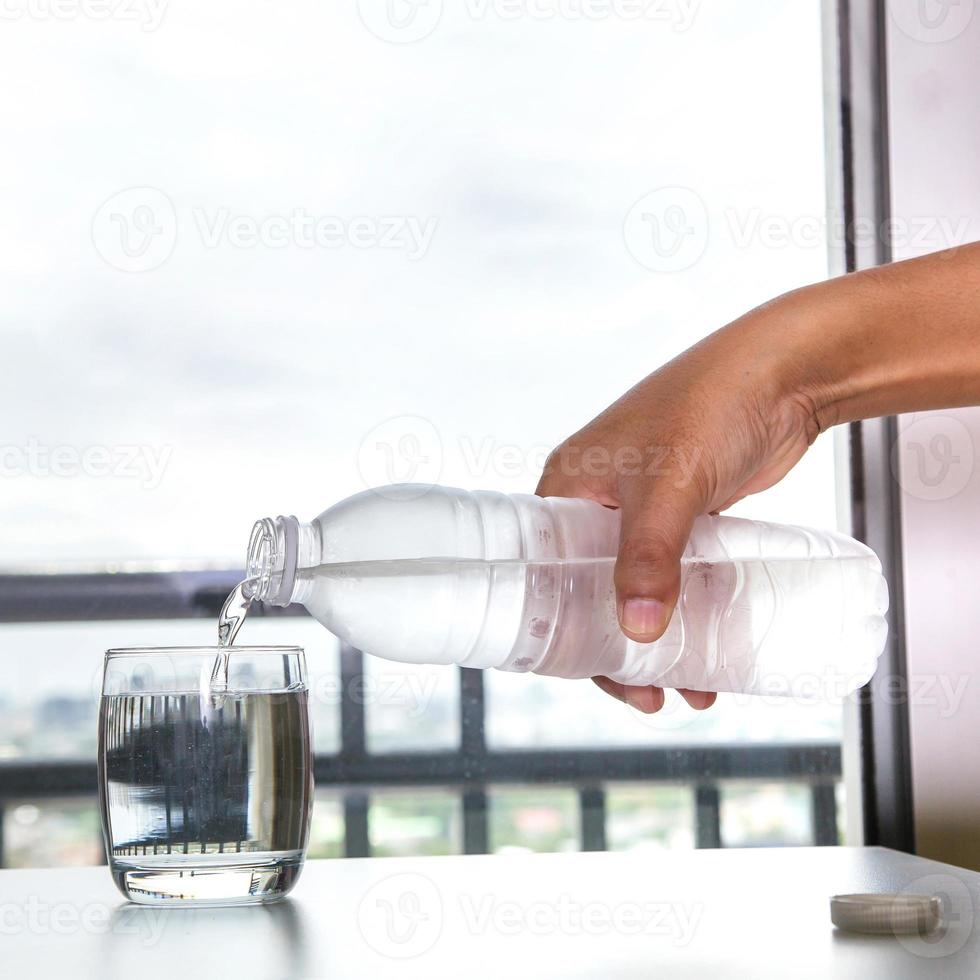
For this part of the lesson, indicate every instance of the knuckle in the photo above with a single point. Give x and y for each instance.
(650, 559)
(552, 463)
(646, 550)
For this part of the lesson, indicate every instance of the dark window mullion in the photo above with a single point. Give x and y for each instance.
(707, 815)
(592, 808)
(823, 807)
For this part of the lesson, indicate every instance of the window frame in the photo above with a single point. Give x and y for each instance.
(875, 501)
(855, 32)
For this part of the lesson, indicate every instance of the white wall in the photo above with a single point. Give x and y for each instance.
(934, 110)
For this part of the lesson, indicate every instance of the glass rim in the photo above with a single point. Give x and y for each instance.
(192, 651)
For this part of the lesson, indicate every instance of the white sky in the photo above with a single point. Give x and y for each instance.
(259, 372)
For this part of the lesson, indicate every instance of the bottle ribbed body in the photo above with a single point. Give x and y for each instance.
(520, 583)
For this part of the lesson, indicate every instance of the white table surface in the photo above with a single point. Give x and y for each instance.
(729, 913)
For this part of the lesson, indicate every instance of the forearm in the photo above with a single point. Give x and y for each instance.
(900, 338)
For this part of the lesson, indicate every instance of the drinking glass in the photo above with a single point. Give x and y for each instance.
(206, 792)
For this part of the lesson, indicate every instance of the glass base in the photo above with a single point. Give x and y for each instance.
(196, 880)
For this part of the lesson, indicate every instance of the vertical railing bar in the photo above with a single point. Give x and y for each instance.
(473, 748)
(823, 807)
(592, 810)
(353, 748)
(472, 714)
(353, 721)
(357, 840)
(707, 815)
(476, 834)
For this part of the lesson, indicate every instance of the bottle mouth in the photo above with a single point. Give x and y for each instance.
(270, 566)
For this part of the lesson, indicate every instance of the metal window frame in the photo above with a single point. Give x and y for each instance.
(857, 37)
(875, 506)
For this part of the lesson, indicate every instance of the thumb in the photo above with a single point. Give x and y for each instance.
(657, 518)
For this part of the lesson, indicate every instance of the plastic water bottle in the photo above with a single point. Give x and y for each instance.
(435, 575)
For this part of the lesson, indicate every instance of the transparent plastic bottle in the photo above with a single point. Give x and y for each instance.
(436, 575)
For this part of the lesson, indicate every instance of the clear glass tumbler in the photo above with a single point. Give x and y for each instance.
(206, 795)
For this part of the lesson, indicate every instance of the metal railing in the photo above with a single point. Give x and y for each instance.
(473, 770)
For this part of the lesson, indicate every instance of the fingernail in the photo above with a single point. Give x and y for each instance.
(644, 617)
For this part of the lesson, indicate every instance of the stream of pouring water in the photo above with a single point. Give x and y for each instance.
(230, 621)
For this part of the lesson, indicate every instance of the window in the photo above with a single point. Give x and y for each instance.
(255, 260)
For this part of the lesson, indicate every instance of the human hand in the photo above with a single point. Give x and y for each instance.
(727, 418)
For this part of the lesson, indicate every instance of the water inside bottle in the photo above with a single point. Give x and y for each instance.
(788, 626)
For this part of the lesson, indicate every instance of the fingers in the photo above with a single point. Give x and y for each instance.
(650, 700)
(563, 476)
(656, 523)
(554, 482)
(699, 700)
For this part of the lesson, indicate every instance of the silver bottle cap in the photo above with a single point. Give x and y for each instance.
(887, 914)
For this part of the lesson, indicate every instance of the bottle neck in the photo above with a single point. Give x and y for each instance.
(277, 549)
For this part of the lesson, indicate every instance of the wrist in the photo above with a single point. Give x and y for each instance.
(832, 356)
(801, 347)
(899, 338)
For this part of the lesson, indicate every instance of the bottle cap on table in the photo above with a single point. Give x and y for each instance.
(887, 914)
